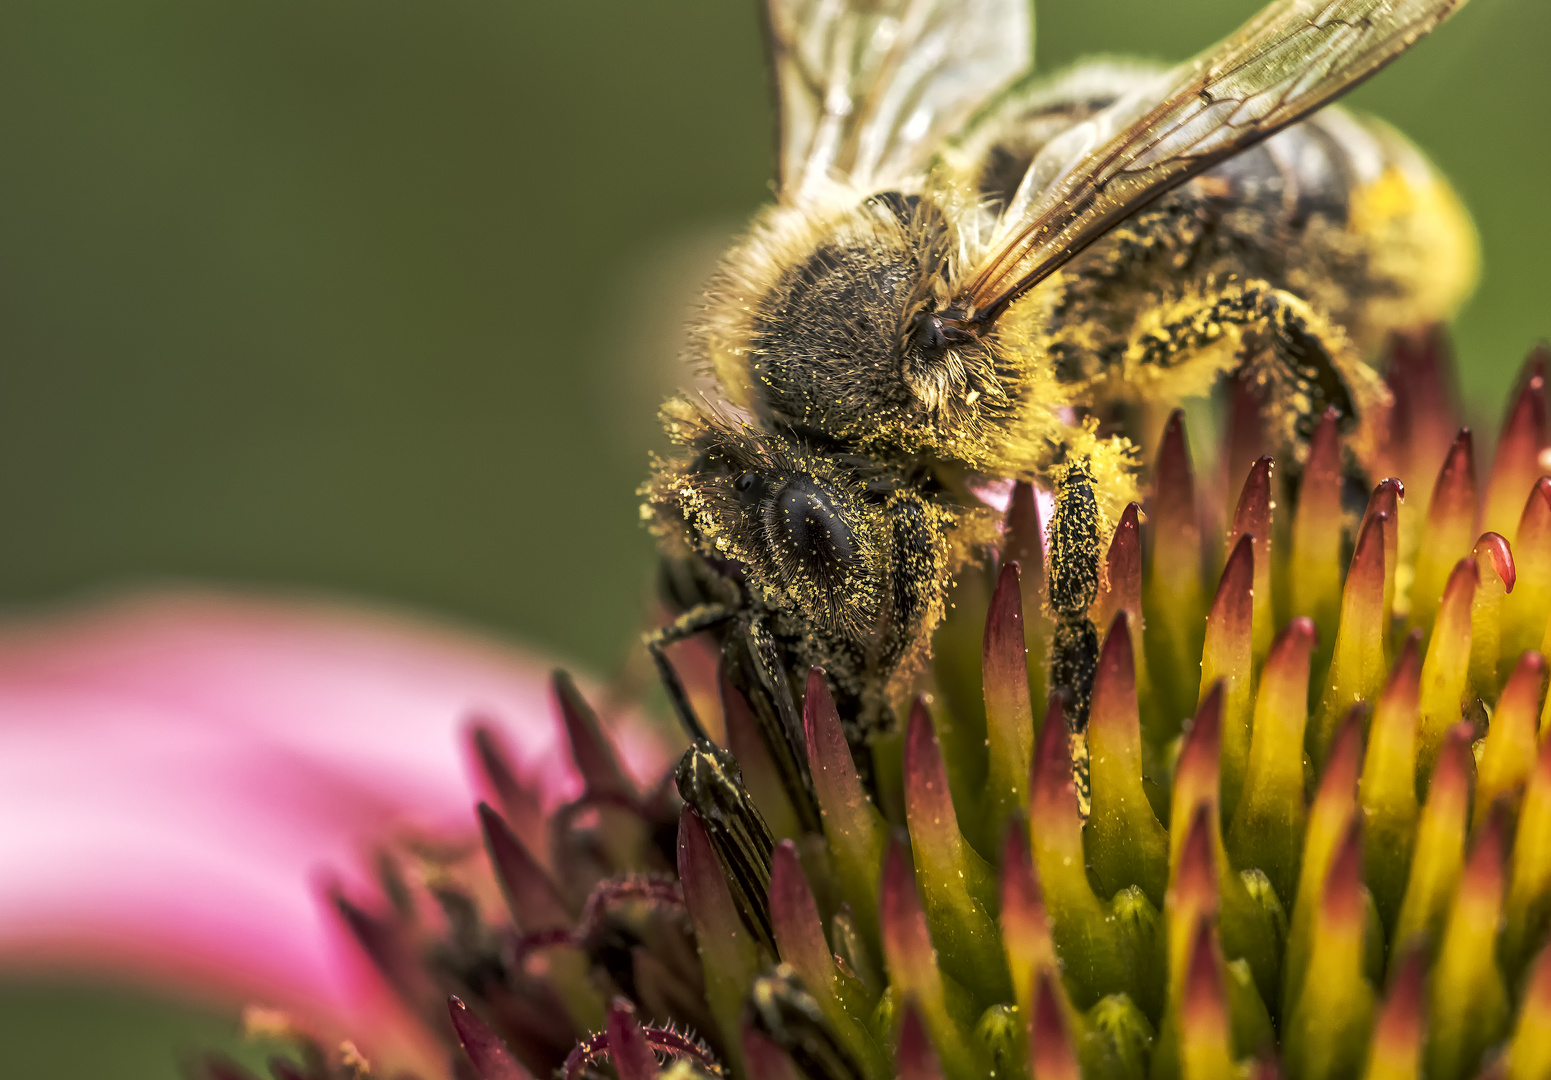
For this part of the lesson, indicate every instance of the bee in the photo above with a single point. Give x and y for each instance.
(970, 273)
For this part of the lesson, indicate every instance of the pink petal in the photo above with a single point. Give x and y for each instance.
(180, 773)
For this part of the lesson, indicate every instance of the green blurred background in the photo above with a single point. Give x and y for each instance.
(376, 298)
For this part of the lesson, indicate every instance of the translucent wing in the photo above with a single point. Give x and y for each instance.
(867, 89)
(1293, 57)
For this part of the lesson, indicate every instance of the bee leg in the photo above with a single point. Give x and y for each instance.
(698, 618)
(1299, 362)
(754, 667)
(1073, 584)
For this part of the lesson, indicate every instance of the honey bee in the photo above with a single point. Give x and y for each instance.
(969, 273)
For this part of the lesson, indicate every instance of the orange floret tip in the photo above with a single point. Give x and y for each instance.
(486, 1052)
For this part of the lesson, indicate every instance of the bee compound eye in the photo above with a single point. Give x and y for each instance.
(806, 525)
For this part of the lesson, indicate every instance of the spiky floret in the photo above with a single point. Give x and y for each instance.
(1318, 843)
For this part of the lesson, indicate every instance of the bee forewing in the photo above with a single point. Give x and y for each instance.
(1292, 58)
(866, 91)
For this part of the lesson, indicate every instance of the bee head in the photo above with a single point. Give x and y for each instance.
(803, 534)
(838, 323)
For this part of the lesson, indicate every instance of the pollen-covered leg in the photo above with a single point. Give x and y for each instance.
(1074, 582)
(1300, 363)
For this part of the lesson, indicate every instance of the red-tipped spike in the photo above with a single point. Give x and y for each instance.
(1053, 807)
(1450, 528)
(1267, 828)
(1496, 572)
(1316, 556)
(1388, 788)
(1446, 669)
(956, 884)
(912, 961)
(1395, 1053)
(1385, 500)
(486, 1052)
(1470, 1010)
(1342, 903)
(1246, 429)
(590, 747)
(1083, 927)
(1205, 1050)
(1528, 909)
(1196, 776)
(915, 1058)
(520, 803)
(1126, 844)
(799, 932)
(1529, 1052)
(1009, 711)
(1438, 855)
(1193, 895)
(906, 941)
(1253, 518)
(729, 956)
(1024, 543)
(760, 775)
(1228, 658)
(854, 829)
(1122, 586)
(629, 1052)
(764, 1059)
(1050, 1041)
(1526, 611)
(1508, 755)
(1334, 806)
(1359, 664)
(1025, 923)
(1421, 378)
(534, 901)
(1516, 464)
(1174, 587)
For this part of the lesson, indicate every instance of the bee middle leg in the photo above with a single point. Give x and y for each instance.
(1299, 361)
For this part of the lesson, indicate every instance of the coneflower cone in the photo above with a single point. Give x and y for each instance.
(1315, 840)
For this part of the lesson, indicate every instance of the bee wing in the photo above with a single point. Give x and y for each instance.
(1293, 57)
(867, 89)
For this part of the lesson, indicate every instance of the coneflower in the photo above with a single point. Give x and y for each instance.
(1313, 838)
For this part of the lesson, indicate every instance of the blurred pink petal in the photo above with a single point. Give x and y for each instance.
(178, 772)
